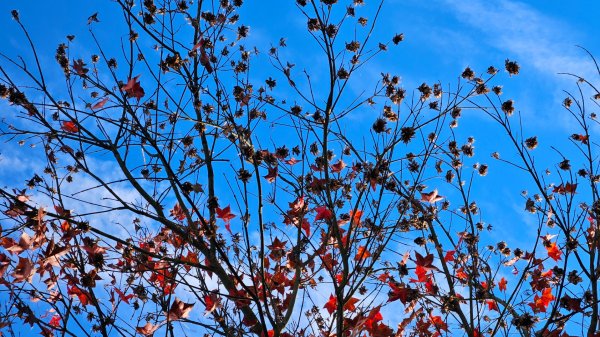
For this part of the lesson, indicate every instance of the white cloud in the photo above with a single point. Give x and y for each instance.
(533, 37)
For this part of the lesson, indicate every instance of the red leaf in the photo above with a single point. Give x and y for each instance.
(55, 321)
(123, 297)
(449, 256)
(425, 262)
(502, 284)
(492, 305)
(323, 213)
(177, 212)
(133, 88)
(540, 304)
(356, 215)
(224, 214)
(438, 323)
(23, 271)
(568, 188)
(82, 295)
(70, 127)
(212, 302)
(398, 292)
(331, 304)
(272, 174)
(205, 61)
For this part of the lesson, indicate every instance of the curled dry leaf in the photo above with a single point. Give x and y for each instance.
(148, 329)
(179, 310)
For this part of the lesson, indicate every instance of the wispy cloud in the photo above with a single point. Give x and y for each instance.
(534, 38)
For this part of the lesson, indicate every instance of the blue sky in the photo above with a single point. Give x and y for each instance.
(441, 38)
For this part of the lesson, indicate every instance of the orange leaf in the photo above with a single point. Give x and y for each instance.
(351, 304)
(553, 251)
(362, 254)
(438, 323)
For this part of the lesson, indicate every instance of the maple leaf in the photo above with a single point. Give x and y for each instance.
(540, 303)
(133, 88)
(399, 292)
(553, 251)
(431, 197)
(373, 318)
(100, 104)
(277, 244)
(425, 261)
(338, 167)
(461, 275)
(362, 253)
(492, 305)
(331, 304)
(438, 323)
(82, 295)
(190, 258)
(350, 305)
(179, 310)
(70, 127)
(355, 216)
(79, 67)
(323, 213)
(148, 329)
(272, 174)
(502, 284)
(123, 297)
(225, 214)
(449, 257)
(177, 212)
(568, 188)
(4, 263)
(55, 321)
(212, 303)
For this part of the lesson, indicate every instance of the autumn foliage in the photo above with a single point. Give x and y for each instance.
(180, 192)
